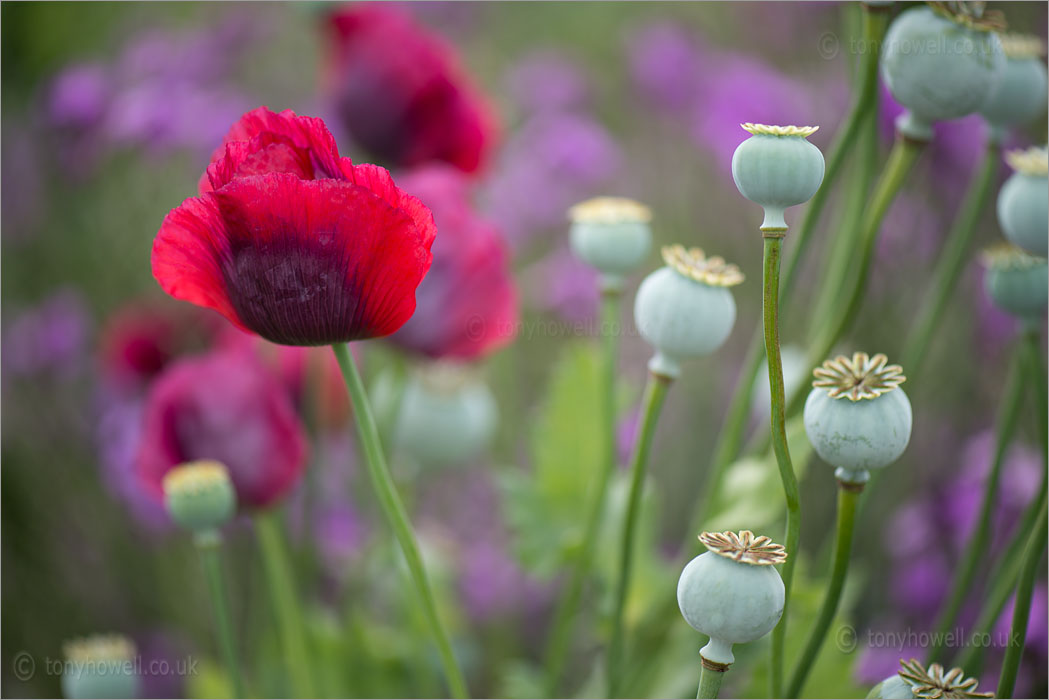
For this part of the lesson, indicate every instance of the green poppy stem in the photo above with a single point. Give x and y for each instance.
(773, 240)
(209, 546)
(730, 437)
(952, 259)
(1003, 579)
(565, 614)
(848, 498)
(1022, 605)
(285, 603)
(976, 549)
(904, 154)
(393, 509)
(709, 681)
(651, 405)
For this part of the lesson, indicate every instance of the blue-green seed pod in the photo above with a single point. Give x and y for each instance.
(857, 417)
(1023, 202)
(777, 168)
(940, 64)
(447, 416)
(914, 680)
(892, 688)
(1016, 282)
(732, 593)
(102, 666)
(612, 235)
(200, 496)
(1019, 94)
(685, 309)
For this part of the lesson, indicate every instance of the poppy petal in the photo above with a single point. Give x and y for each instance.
(299, 262)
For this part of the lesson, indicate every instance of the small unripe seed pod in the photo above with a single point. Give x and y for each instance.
(612, 235)
(732, 593)
(685, 309)
(1023, 202)
(1019, 94)
(940, 64)
(101, 666)
(777, 168)
(200, 496)
(446, 416)
(857, 417)
(1016, 282)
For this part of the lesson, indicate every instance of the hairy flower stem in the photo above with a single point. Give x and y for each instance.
(848, 497)
(976, 549)
(773, 240)
(951, 260)
(393, 509)
(710, 680)
(1022, 606)
(730, 438)
(565, 615)
(209, 555)
(904, 154)
(651, 404)
(285, 603)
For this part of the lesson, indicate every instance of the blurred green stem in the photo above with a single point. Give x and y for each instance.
(976, 549)
(651, 404)
(773, 240)
(951, 261)
(285, 602)
(848, 497)
(393, 509)
(904, 154)
(1022, 605)
(730, 438)
(709, 682)
(209, 554)
(565, 614)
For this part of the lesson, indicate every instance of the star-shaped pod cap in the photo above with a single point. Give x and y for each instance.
(745, 547)
(858, 377)
(935, 682)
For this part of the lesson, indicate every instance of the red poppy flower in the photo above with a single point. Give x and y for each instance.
(401, 92)
(223, 406)
(294, 243)
(468, 301)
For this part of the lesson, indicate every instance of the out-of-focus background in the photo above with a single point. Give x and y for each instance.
(110, 112)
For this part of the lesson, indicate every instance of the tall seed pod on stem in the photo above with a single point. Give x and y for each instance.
(734, 595)
(612, 235)
(778, 168)
(857, 418)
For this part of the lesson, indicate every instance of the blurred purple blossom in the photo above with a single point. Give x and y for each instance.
(551, 162)
(23, 186)
(561, 283)
(548, 81)
(49, 337)
(117, 438)
(878, 662)
(665, 66)
(1037, 629)
(165, 91)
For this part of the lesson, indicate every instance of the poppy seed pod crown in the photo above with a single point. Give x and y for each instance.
(612, 235)
(1023, 202)
(732, 593)
(777, 168)
(685, 309)
(857, 417)
(941, 62)
(916, 681)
